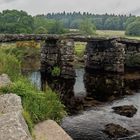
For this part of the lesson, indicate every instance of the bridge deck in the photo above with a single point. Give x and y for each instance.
(37, 37)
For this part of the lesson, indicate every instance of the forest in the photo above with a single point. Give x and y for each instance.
(13, 21)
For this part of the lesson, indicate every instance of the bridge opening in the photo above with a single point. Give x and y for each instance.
(79, 54)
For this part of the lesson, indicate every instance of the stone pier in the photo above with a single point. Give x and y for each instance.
(105, 55)
(58, 54)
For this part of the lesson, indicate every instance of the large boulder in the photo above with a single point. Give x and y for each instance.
(4, 80)
(13, 127)
(126, 110)
(10, 103)
(12, 123)
(117, 131)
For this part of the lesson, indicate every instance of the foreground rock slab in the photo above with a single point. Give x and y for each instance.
(126, 110)
(13, 127)
(50, 130)
(12, 123)
(10, 103)
(117, 131)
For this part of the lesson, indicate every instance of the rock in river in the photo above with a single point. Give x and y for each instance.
(116, 131)
(126, 110)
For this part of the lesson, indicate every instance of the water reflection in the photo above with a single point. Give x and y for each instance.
(65, 88)
(100, 90)
(88, 90)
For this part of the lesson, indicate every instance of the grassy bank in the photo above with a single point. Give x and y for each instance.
(27, 52)
(38, 105)
(111, 33)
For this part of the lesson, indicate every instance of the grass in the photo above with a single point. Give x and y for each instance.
(113, 33)
(110, 33)
(21, 49)
(79, 48)
(37, 105)
(9, 65)
(27, 54)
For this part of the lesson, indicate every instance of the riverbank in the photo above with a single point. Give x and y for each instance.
(90, 124)
(12, 114)
(38, 106)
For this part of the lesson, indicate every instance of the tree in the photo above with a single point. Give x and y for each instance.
(133, 28)
(13, 21)
(57, 28)
(130, 20)
(41, 30)
(87, 27)
(113, 23)
(51, 26)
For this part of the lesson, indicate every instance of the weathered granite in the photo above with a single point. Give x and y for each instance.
(10, 103)
(50, 130)
(13, 127)
(117, 131)
(107, 56)
(12, 123)
(4, 80)
(58, 53)
(126, 110)
(67, 58)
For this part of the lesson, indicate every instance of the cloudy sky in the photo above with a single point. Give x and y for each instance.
(94, 6)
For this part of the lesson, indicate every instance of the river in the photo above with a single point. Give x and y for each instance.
(90, 98)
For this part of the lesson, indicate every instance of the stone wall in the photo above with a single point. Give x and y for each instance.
(105, 55)
(60, 54)
(49, 55)
(66, 59)
(132, 55)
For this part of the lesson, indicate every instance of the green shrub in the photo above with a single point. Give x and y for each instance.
(80, 49)
(40, 105)
(56, 71)
(133, 29)
(22, 50)
(9, 65)
(133, 61)
(28, 120)
(87, 27)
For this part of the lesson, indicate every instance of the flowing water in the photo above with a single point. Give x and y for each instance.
(90, 98)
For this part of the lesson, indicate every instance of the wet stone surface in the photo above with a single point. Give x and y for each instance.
(117, 131)
(126, 110)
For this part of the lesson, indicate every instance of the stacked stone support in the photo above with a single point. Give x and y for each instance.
(105, 55)
(66, 48)
(60, 54)
(49, 55)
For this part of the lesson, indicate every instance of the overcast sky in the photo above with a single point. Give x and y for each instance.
(94, 6)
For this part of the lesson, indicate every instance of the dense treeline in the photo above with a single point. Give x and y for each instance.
(13, 21)
(102, 22)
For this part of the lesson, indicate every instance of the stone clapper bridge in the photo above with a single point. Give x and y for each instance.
(102, 53)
